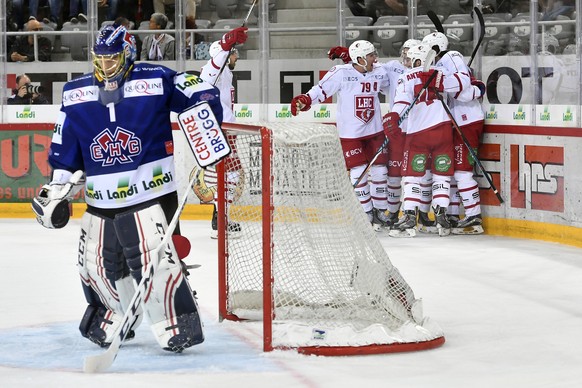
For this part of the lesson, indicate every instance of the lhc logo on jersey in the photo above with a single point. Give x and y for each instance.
(119, 147)
(364, 108)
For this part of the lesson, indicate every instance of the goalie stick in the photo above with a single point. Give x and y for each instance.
(427, 63)
(471, 150)
(244, 23)
(103, 361)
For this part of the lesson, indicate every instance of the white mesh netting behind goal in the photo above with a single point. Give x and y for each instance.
(292, 212)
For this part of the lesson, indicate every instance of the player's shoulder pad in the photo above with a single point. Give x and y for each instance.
(80, 81)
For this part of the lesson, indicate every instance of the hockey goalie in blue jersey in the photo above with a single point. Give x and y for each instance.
(113, 137)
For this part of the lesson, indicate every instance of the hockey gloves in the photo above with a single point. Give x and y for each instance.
(480, 84)
(234, 37)
(436, 84)
(51, 205)
(391, 125)
(339, 52)
(301, 103)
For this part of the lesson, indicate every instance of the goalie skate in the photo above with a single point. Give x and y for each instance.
(469, 225)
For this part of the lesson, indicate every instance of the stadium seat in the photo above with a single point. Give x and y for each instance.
(76, 43)
(519, 35)
(357, 34)
(496, 36)
(389, 37)
(562, 30)
(459, 31)
(225, 9)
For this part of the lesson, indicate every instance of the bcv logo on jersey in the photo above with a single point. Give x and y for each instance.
(119, 147)
(364, 108)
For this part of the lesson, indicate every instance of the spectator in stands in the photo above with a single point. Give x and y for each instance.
(111, 7)
(56, 7)
(27, 94)
(19, 11)
(159, 46)
(552, 8)
(22, 49)
(74, 10)
(190, 11)
(376, 8)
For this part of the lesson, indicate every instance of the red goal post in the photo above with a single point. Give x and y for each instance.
(292, 238)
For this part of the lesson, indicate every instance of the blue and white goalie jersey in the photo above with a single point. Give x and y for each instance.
(126, 147)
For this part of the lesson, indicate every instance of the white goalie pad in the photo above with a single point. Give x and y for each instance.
(204, 135)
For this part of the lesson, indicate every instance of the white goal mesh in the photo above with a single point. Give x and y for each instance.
(295, 229)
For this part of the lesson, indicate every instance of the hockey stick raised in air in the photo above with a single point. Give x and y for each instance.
(471, 150)
(436, 21)
(103, 361)
(481, 34)
(244, 23)
(427, 63)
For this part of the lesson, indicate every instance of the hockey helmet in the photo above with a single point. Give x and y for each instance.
(418, 53)
(404, 59)
(113, 55)
(436, 39)
(361, 48)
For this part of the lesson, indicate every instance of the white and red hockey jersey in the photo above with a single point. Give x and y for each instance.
(464, 104)
(210, 71)
(358, 106)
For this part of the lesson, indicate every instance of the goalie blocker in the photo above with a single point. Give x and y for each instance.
(204, 135)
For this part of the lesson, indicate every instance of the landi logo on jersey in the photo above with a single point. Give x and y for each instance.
(143, 87)
(537, 177)
(118, 147)
(364, 108)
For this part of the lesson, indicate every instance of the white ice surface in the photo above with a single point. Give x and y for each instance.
(511, 311)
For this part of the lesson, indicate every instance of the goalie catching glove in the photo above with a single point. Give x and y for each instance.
(51, 205)
(339, 52)
(234, 37)
(301, 103)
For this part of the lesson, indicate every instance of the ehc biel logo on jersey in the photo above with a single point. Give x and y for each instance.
(364, 108)
(119, 147)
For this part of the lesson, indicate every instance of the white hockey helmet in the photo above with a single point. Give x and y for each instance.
(404, 59)
(360, 48)
(436, 39)
(418, 53)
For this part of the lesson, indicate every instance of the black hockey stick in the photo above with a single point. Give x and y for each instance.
(428, 61)
(436, 21)
(244, 23)
(471, 150)
(481, 34)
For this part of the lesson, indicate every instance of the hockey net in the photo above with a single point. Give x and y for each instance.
(293, 238)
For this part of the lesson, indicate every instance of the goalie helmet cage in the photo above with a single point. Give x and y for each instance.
(298, 252)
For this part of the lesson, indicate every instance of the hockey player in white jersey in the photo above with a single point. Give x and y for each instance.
(428, 137)
(114, 128)
(393, 69)
(218, 71)
(467, 111)
(359, 122)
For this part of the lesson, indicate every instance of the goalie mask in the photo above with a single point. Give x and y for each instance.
(437, 39)
(113, 56)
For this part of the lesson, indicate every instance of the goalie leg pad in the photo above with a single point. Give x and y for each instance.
(104, 275)
(170, 295)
